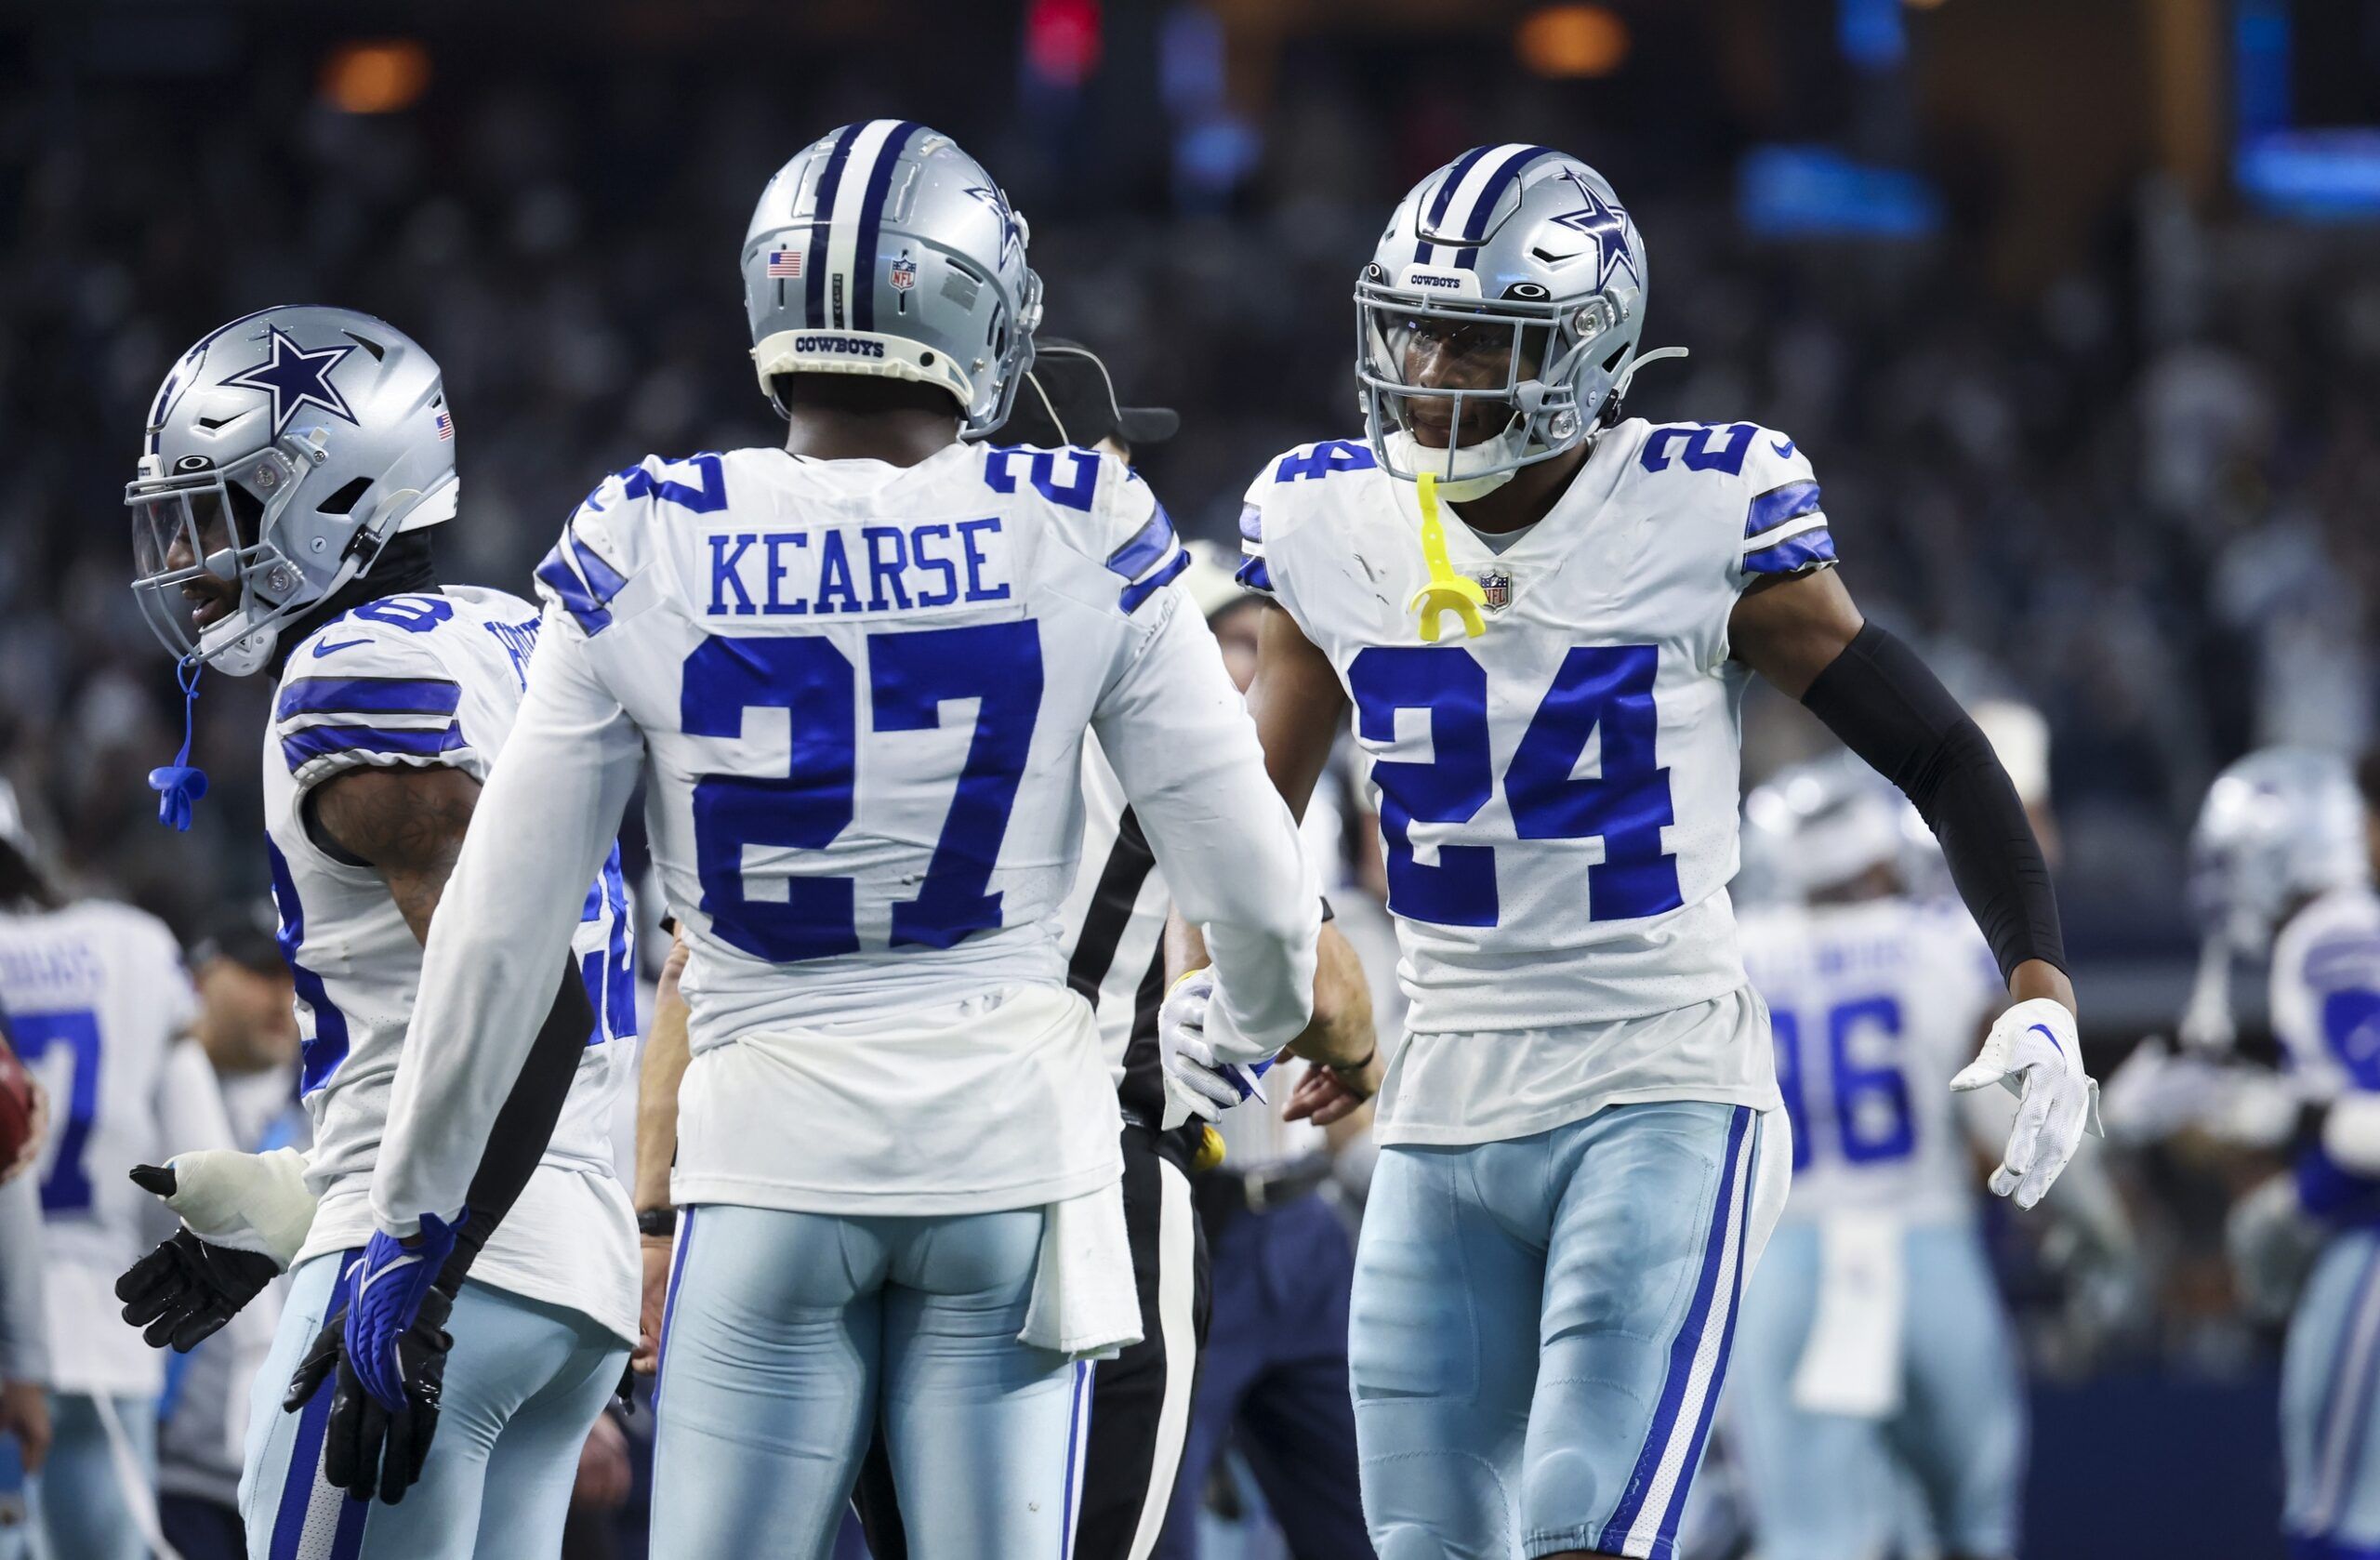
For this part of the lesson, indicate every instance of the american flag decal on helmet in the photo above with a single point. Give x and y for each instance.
(445, 425)
(784, 262)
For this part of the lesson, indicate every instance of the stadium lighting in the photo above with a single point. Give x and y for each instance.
(1572, 40)
(385, 76)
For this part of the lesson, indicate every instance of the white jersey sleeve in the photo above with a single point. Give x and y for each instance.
(2325, 1000)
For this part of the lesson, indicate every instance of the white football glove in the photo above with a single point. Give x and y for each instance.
(1206, 1074)
(2034, 1052)
(249, 1202)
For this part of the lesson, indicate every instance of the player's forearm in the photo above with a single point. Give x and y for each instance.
(1340, 1031)
(24, 1352)
(662, 1069)
(524, 1123)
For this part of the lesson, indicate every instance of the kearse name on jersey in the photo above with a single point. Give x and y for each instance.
(821, 570)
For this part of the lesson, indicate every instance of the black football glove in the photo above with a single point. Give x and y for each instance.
(366, 1448)
(182, 1291)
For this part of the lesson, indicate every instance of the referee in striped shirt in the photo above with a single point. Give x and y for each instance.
(1116, 950)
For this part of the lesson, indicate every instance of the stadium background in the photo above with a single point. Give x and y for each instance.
(2074, 304)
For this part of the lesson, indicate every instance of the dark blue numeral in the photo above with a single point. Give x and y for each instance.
(1454, 784)
(609, 972)
(909, 676)
(1787, 1031)
(1329, 456)
(415, 614)
(67, 1188)
(811, 680)
(1884, 1128)
(1628, 805)
(1042, 469)
(1700, 454)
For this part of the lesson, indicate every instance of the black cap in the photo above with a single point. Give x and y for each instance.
(1069, 397)
(243, 934)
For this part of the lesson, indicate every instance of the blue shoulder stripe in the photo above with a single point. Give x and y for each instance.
(562, 579)
(1255, 575)
(1135, 594)
(1132, 560)
(315, 742)
(367, 695)
(1781, 504)
(602, 578)
(1793, 554)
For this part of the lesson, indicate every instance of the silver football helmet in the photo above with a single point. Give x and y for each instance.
(1822, 824)
(281, 454)
(2276, 826)
(1516, 253)
(882, 248)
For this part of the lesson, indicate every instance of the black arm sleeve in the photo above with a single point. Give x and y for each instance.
(1892, 711)
(526, 1123)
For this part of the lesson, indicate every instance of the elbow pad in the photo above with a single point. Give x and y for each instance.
(1891, 711)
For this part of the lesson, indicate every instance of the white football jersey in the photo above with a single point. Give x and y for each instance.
(2326, 993)
(418, 681)
(98, 1004)
(1557, 796)
(857, 693)
(1873, 1006)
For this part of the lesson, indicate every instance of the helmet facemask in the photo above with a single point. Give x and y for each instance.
(1473, 390)
(224, 524)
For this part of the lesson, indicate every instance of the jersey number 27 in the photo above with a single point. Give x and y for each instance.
(910, 676)
(1606, 688)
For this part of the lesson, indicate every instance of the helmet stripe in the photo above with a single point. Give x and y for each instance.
(822, 206)
(871, 224)
(1454, 176)
(866, 149)
(1489, 187)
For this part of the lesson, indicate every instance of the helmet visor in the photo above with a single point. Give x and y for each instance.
(1452, 385)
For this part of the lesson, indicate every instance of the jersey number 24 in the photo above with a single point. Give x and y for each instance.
(910, 676)
(1606, 688)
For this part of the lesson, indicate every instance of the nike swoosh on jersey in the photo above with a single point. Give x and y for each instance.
(323, 650)
(1782, 446)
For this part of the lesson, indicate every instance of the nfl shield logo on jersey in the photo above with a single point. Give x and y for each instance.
(904, 274)
(1496, 584)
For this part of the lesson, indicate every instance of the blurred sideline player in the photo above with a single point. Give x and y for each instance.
(856, 672)
(2282, 868)
(294, 463)
(1873, 1346)
(247, 1025)
(1582, 1147)
(98, 1006)
(24, 1325)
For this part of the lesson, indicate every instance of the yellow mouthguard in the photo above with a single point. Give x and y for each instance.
(1447, 592)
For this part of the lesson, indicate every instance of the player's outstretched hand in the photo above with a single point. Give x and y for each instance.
(1329, 1095)
(2034, 1052)
(368, 1448)
(186, 1288)
(1198, 1081)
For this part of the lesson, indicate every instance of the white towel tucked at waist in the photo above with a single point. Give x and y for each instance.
(1084, 1304)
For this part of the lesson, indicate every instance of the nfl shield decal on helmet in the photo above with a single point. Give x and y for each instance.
(904, 274)
(1496, 584)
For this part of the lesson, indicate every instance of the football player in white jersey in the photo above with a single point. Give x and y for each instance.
(855, 673)
(1873, 1344)
(100, 1008)
(294, 463)
(1581, 1144)
(2282, 870)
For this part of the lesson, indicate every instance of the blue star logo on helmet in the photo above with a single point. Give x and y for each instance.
(296, 376)
(1606, 223)
(996, 198)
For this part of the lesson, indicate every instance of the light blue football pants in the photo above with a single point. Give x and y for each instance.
(86, 1511)
(789, 1335)
(1541, 1326)
(1826, 1486)
(524, 1384)
(2330, 1405)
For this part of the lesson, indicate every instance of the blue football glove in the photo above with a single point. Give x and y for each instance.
(391, 1284)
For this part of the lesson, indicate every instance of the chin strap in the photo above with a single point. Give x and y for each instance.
(1628, 375)
(180, 784)
(1447, 592)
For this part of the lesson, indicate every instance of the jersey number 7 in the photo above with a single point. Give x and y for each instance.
(1606, 688)
(910, 674)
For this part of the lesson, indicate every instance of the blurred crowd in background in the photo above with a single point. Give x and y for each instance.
(2124, 474)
